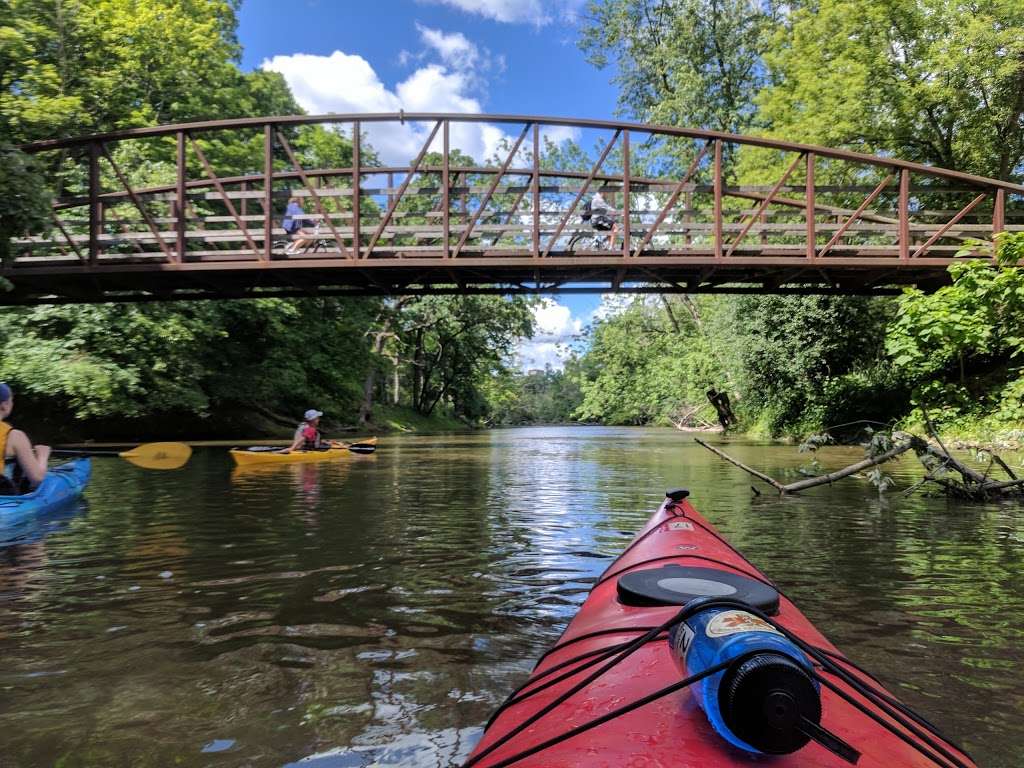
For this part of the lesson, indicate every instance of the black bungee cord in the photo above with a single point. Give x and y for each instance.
(561, 698)
(881, 701)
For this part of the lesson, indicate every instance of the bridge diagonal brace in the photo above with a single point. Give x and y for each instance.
(63, 231)
(856, 215)
(208, 169)
(138, 202)
(401, 190)
(583, 190)
(312, 191)
(764, 204)
(672, 198)
(490, 191)
(945, 227)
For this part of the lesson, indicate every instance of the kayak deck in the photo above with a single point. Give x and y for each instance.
(532, 728)
(62, 484)
(270, 455)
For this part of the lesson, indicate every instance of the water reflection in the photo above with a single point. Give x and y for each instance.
(374, 611)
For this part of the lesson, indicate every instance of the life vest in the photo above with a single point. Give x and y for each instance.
(310, 437)
(14, 483)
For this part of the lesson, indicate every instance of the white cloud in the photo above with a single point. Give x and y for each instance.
(508, 11)
(554, 319)
(555, 329)
(454, 48)
(347, 83)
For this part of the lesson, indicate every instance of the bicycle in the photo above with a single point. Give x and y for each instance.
(318, 244)
(588, 241)
(596, 239)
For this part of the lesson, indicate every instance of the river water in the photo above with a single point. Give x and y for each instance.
(374, 611)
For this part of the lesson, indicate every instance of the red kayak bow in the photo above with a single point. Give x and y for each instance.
(684, 655)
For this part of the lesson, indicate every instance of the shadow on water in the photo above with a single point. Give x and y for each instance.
(374, 611)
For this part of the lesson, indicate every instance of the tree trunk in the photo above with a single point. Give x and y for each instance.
(395, 380)
(669, 312)
(369, 383)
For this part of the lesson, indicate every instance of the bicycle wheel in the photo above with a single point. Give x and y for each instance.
(574, 241)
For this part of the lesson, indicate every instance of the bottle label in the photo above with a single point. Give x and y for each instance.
(732, 622)
(683, 638)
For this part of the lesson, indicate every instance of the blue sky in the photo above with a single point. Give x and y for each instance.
(496, 56)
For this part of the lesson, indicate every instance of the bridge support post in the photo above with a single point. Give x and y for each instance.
(268, 192)
(94, 203)
(446, 203)
(535, 191)
(625, 194)
(811, 234)
(904, 215)
(718, 198)
(999, 212)
(179, 208)
(357, 183)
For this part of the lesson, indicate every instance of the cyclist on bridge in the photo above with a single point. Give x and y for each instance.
(301, 237)
(602, 218)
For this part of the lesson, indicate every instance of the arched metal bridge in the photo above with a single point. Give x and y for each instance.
(145, 214)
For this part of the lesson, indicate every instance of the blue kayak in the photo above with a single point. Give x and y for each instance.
(62, 484)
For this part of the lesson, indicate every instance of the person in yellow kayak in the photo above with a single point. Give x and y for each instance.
(29, 463)
(307, 435)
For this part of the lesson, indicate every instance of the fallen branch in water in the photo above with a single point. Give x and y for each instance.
(813, 482)
(760, 476)
(973, 485)
(860, 466)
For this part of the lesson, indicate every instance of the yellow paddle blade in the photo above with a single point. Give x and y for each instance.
(158, 455)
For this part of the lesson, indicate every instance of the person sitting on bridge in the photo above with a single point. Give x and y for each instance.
(293, 217)
(29, 464)
(307, 434)
(601, 218)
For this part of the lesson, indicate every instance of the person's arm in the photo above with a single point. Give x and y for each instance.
(33, 462)
(296, 444)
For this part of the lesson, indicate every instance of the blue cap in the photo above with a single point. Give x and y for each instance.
(5, 392)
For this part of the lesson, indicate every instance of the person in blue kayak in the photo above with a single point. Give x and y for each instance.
(307, 434)
(29, 463)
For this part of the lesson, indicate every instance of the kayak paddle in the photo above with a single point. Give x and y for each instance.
(362, 447)
(147, 455)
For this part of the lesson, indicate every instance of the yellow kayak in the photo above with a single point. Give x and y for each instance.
(268, 455)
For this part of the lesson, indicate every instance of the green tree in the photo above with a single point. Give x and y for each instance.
(928, 80)
(962, 346)
(695, 63)
(453, 344)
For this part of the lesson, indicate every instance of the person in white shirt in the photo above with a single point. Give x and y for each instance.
(602, 218)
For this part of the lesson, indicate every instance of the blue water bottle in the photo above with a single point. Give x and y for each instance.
(766, 700)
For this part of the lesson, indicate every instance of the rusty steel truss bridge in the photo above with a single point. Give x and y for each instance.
(128, 227)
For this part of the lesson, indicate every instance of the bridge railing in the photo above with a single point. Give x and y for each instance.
(162, 196)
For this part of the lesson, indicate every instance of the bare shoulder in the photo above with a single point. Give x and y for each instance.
(16, 435)
(17, 440)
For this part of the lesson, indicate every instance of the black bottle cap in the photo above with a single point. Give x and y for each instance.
(763, 699)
